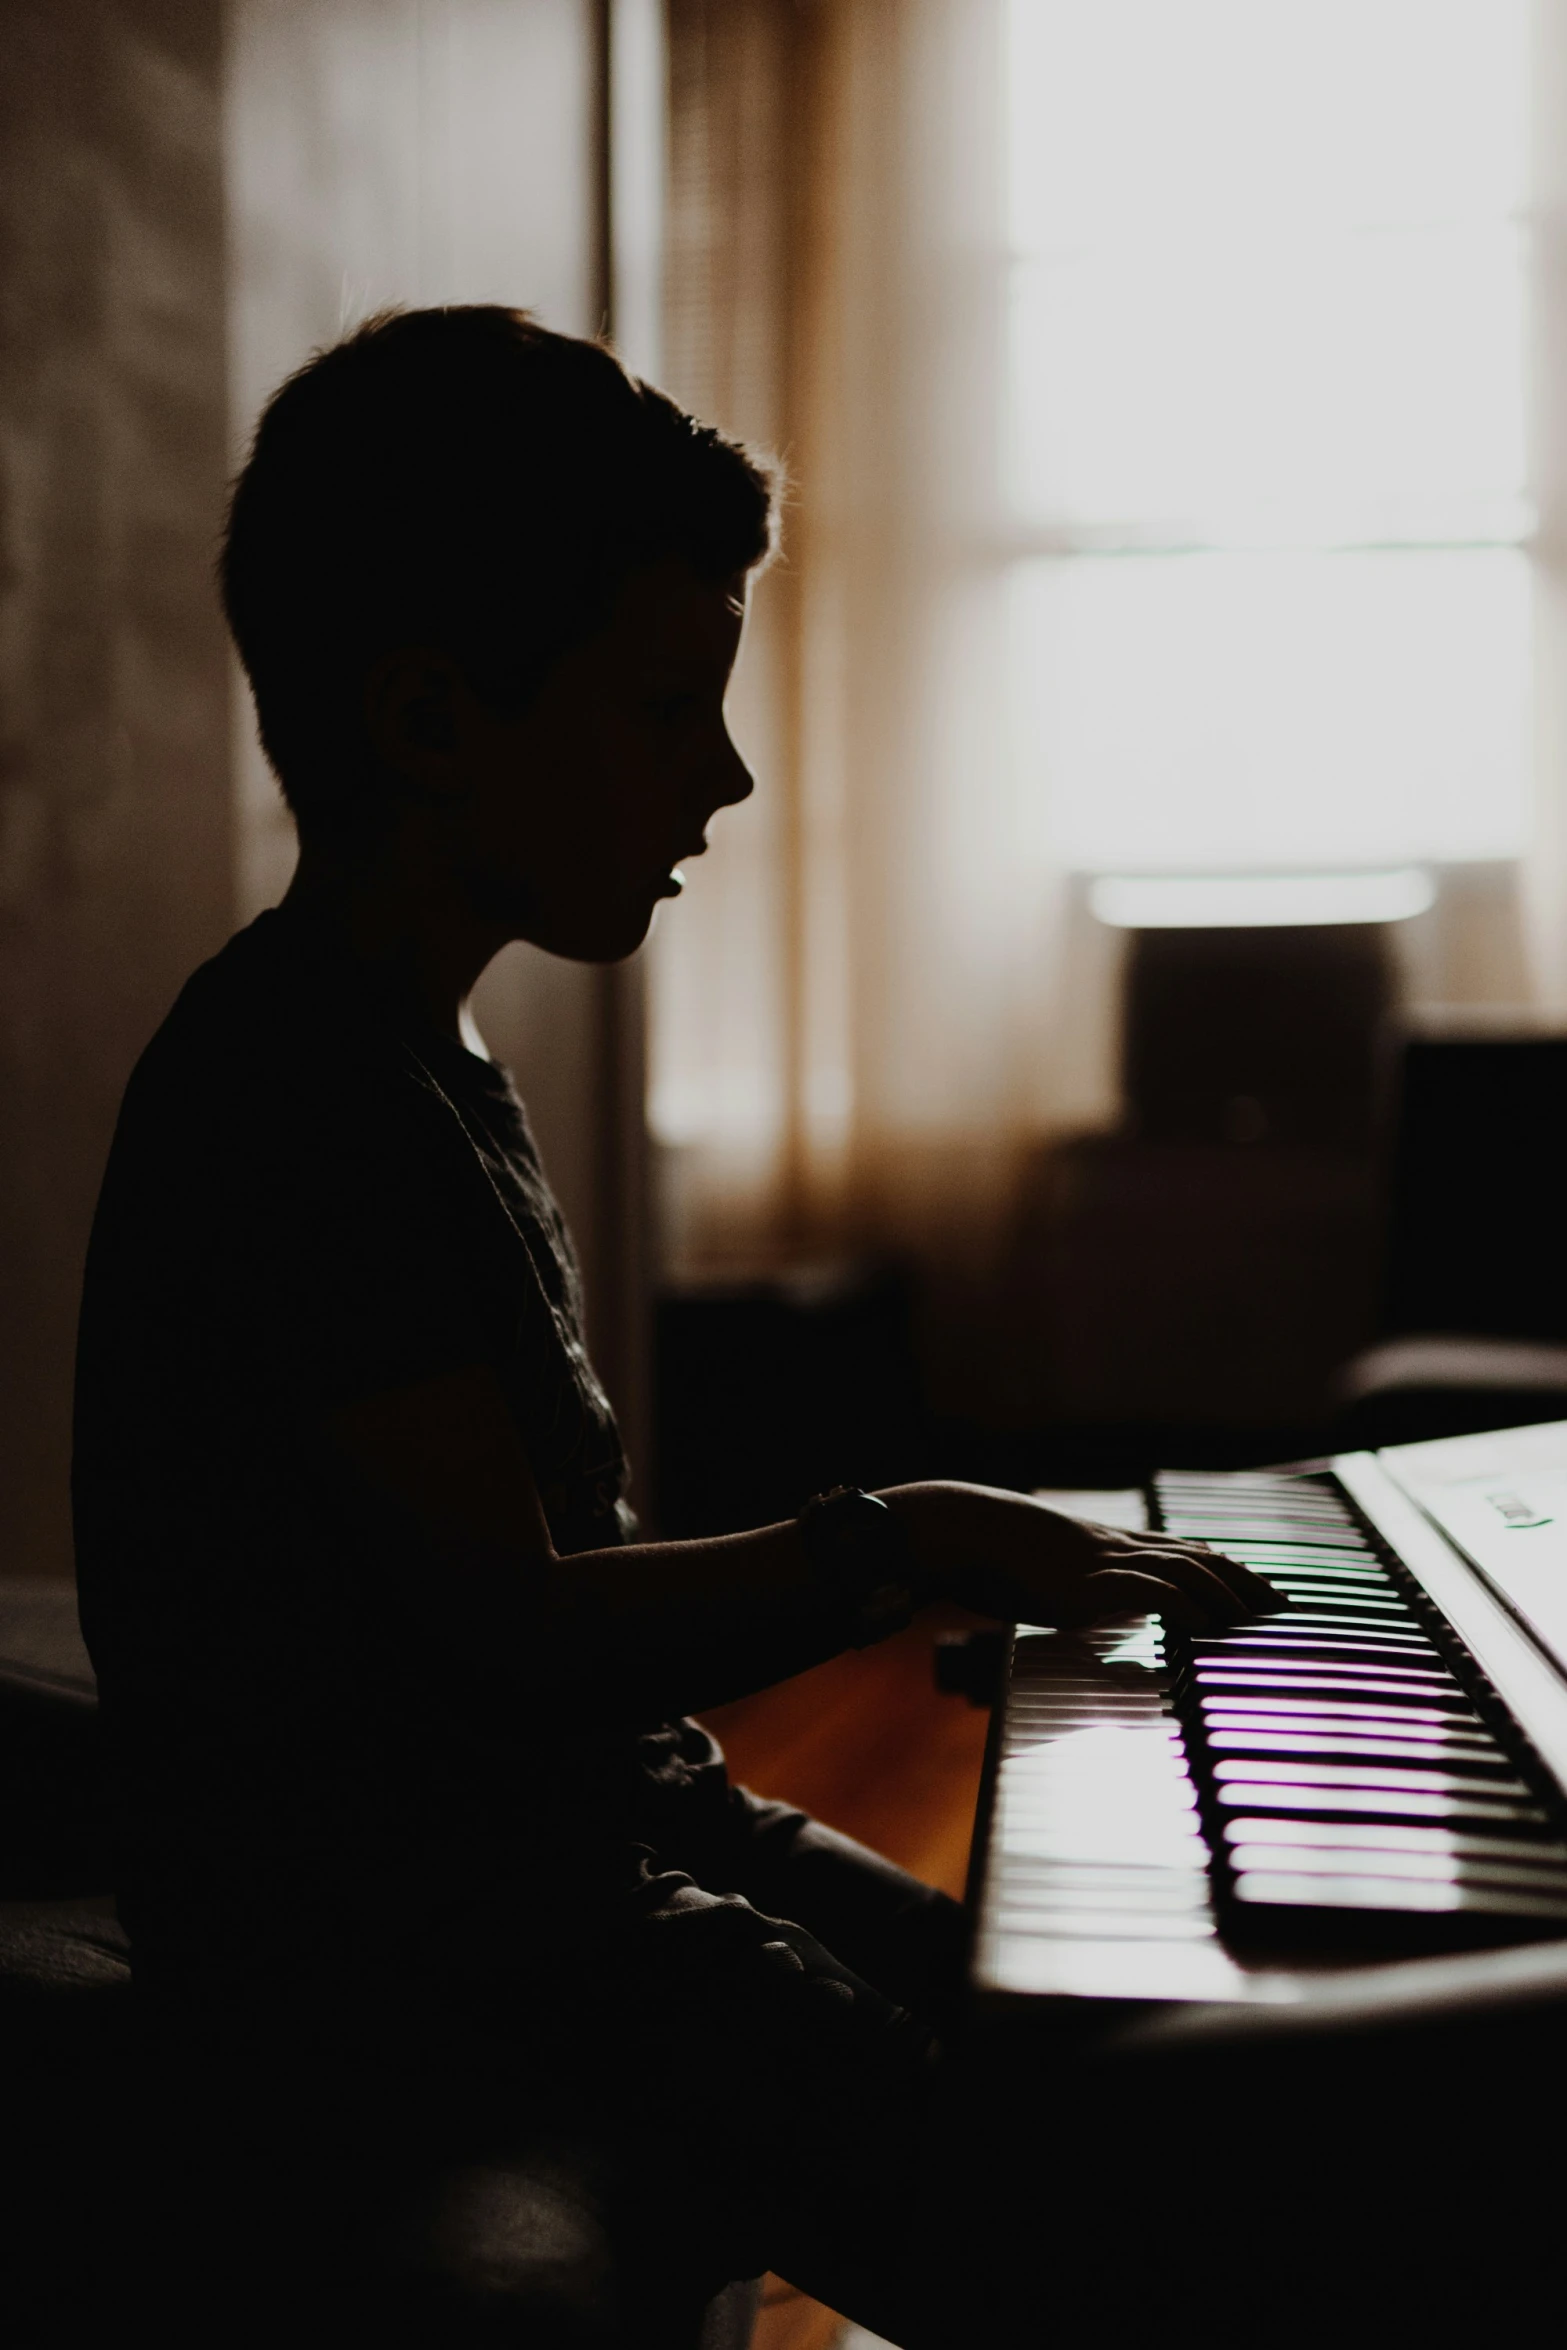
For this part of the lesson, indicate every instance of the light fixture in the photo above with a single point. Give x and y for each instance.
(1258, 901)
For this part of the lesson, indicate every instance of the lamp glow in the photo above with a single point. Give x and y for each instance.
(1259, 901)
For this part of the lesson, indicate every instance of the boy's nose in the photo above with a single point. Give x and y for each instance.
(735, 780)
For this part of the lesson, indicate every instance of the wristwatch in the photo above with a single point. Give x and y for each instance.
(863, 1559)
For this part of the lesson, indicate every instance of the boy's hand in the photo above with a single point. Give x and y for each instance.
(1004, 1555)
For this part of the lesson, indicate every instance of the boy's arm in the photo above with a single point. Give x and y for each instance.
(653, 1629)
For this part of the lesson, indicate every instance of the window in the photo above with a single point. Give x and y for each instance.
(1266, 458)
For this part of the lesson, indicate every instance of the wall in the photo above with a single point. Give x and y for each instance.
(385, 151)
(418, 152)
(115, 835)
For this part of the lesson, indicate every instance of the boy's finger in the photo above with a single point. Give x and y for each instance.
(1248, 1593)
(1200, 1579)
(1255, 1592)
(1131, 1591)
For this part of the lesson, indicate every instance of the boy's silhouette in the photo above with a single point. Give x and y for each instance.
(398, 1702)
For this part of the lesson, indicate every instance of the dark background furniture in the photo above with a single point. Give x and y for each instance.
(779, 1385)
(1473, 1309)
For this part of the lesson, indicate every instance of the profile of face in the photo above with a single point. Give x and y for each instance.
(568, 823)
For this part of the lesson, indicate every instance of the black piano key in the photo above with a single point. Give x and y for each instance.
(1319, 1533)
(1330, 1538)
(1453, 1712)
(1290, 1693)
(1387, 1897)
(1379, 1803)
(1335, 1672)
(1289, 1630)
(1306, 1658)
(1323, 1641)
(1543, 1846)
(1373, 1742)
(1311, 1643)
(1316, 1576)
(1241, 1733)
(1300, 1695)
(1340, 1589)
(1212, 1526)
(1345, 1575)
(1431, 1808)
(1397, 1700)
(1310, 1604)
(1311, 1614)
(1408, 1719)
(1289, 1508)
(1440, 1753)
(1329, 1775)
(1225, 1734)
(1336, 1591)
(1330, 1548)
(1277, 1485)
(1337, 1533)
(1327, 1536)
(1265, 1526)
(1399, 1659)
(1535, 1875)
(1340, 1625)
(1333, 1556)
(1383, 1688)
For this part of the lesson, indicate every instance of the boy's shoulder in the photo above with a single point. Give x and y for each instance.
(273, 1006)
(268, 1045)
(270, 988)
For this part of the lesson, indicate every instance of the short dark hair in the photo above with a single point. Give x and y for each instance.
(464, 478)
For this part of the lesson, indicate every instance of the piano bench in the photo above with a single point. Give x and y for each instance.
(125, 2194)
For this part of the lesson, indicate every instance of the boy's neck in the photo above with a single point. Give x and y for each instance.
(419, 947)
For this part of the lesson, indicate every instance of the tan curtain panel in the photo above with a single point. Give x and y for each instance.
(858, 1014)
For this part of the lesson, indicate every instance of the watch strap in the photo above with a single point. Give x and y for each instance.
(863, 1559)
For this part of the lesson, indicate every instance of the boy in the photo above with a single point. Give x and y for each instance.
(398, 1702)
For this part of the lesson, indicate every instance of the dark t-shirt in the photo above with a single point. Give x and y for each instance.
(303, 1205)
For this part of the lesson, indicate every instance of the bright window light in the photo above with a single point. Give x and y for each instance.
(1269, 324)
(1256, 711)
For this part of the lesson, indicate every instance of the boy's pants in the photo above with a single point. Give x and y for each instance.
(761, 2062)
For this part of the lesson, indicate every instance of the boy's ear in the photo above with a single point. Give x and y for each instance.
(411, 715)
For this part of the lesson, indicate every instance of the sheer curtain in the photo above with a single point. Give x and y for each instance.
(884, 986)
(861, 1011)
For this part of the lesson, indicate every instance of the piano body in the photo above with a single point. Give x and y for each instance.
(1378, 1772)
(1270, 1928)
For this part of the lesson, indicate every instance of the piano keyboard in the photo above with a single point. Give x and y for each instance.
(1375, 1772)
(1352, 1771)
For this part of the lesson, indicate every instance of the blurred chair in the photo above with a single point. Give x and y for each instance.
(1474, 1291)
(1264, 1035)
(1193, 1278)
